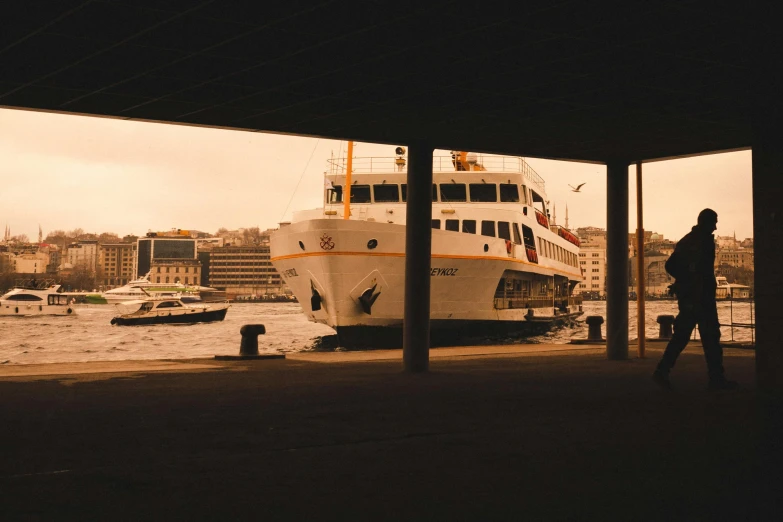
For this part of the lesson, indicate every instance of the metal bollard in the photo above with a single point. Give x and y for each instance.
(249, 343)
(594, 331)
(665, 330)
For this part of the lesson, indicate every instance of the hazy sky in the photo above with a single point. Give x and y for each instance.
(126, 177)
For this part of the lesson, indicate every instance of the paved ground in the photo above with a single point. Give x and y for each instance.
(492, 434)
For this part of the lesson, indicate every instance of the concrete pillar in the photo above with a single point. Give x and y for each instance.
(768, 238)
(617, 260)
(418, 251)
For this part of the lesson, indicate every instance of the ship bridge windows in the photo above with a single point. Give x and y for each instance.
(469, 226)
(538, 202)
(483, 192)
(517, 236)
(528, 237)
(360, 194)
(453, 192)
(404, 188)
(509, 193)
(386, 193)
(504, 230)
(488, 228)
(334, 194)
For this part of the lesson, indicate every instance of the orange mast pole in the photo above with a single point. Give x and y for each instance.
(347, 191)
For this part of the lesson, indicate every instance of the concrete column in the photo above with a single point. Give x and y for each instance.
(768, 238)
(617, 260)
(418, 251)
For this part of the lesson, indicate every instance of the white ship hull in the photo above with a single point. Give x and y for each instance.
(331, 258)
(25, 309)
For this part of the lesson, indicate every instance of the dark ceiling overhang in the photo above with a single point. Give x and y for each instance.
(590, 81)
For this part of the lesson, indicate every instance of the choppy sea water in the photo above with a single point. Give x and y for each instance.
(89, 336)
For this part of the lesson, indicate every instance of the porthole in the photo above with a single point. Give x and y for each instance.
(301, 245)
(372, 243)
(486, 247)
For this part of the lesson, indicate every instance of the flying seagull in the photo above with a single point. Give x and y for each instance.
(576, 188)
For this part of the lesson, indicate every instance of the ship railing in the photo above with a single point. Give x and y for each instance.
(386, 164)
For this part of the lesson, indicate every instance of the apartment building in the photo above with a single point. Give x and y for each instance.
(242, 271)
(115, 261)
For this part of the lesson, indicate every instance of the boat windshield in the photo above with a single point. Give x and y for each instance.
(146, 307)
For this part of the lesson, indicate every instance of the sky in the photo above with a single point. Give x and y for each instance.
(127, 177)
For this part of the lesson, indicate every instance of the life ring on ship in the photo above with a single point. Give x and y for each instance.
(509, 246)
(69, 311)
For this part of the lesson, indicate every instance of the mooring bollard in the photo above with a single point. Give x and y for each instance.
(249, 343)
(665, 330)
(594, 323)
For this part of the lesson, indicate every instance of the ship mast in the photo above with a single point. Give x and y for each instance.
(347, 194)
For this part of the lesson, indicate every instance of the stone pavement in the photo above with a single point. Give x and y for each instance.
(526, 432)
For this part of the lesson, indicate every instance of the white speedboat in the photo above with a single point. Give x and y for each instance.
(498, 266)
(49, 300)
(142, 287)
(161, 310)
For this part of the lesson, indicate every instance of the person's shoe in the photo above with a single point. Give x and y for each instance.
(662, 379)
(722, 384)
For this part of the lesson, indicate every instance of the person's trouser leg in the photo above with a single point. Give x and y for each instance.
(709, 330)
(683, 328)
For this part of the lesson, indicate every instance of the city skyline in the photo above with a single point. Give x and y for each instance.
(126, 177)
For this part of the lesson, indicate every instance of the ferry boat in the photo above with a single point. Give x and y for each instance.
(498, 266)
(38, 299)
(142, 287)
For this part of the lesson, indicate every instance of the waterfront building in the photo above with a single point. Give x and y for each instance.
(83, 253)
(736, 257)
(115, 261)
(163, 251)
(592, 261)
(656, 279)
(173, 270)
(242, 271)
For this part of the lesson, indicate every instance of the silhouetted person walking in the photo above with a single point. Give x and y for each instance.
(692, 265)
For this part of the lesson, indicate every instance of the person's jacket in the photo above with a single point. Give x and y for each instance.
(693, 266)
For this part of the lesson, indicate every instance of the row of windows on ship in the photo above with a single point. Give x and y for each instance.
(449, 193)
(510, 232)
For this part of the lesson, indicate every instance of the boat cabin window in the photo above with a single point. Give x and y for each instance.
(436, 224)
(24, 297)
(452, 224)
(146, 307)
(528, 237)
(483, 192)
(504, 230)
(524, 194)
(57, 300)
(386, 193)
(404, 188)
(360, 193)
(509, 193)
(488, 228)
(453, 192)
(169, 304)
(517, 237)
(469, 226)
(333, 195)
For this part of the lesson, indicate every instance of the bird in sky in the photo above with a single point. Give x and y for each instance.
(576, 188)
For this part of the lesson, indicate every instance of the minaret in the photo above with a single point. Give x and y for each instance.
(40, 234)
(567, 217)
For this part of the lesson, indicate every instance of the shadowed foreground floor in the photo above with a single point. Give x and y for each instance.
(517, 436)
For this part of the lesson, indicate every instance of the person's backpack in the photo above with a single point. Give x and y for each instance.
(673, 265)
